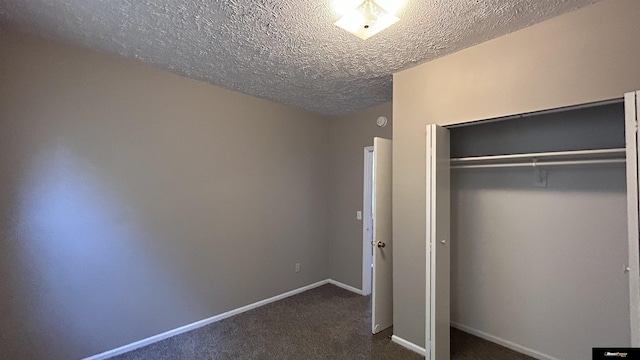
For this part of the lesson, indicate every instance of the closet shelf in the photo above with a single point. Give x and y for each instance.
(556, 158)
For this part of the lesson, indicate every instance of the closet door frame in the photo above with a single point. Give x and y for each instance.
(632, 114)
(438, 247)
(632, 141)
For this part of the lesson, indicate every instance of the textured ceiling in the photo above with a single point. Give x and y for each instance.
(286, 51)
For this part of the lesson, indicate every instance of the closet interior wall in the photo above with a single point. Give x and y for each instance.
(542, 267)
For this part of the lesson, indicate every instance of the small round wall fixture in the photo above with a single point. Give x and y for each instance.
(382, 121)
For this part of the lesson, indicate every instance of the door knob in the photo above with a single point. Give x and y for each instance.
(381, 244)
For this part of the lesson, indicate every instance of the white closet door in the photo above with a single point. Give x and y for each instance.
(632, 114)
(437, 341)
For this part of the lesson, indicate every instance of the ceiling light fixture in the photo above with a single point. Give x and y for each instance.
(364, 18)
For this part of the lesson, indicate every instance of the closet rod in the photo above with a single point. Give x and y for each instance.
(580, 153)
(541, 163)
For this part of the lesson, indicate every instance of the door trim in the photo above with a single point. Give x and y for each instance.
(632, 113)
(438, 244)
(367, 235)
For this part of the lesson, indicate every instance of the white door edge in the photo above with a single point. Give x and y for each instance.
(367, 231)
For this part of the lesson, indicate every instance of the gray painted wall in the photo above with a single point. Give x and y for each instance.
(583, 56)
(350, 134)
(134, 201)
(533, 265)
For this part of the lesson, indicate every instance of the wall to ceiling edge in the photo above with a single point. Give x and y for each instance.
(587, 55)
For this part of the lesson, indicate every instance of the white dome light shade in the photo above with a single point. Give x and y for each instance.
(366, 19)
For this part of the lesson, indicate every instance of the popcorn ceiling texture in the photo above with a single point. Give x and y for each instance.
(286, 51)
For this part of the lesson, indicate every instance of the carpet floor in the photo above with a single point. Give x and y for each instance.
(323, 323)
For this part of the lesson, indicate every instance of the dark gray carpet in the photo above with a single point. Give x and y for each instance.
(324, 323)
(465, 346)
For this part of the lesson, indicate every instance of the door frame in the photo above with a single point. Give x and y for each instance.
(367, 222)
(632, 115)
(632, 139)
(437, 239)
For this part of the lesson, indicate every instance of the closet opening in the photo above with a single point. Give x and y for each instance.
(539, 231)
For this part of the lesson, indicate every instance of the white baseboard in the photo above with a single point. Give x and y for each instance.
(506, 343)
(345, 286)
(201, 323)
(409, 345)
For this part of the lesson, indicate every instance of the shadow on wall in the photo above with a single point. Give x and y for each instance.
(71, 245)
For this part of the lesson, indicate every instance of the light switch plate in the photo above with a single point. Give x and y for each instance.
(359, 215)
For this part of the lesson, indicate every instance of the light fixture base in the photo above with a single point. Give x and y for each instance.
(366, 20)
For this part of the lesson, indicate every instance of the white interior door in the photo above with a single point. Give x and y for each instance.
(437, 343)
(382, 292)
(632, 114)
